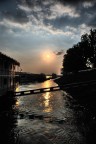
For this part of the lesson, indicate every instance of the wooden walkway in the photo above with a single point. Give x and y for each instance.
(56, 88)
(37, 91)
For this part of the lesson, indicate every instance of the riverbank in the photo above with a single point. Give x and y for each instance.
(76, 77)
(81, 86)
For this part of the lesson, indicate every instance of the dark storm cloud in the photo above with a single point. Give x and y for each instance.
(56, 14)
(92, 23)
(9, 10)
(90, 15)
(19, 16)
(9, 5)
(58, 53)
(2, 1)
(87, 16)
(74, 2)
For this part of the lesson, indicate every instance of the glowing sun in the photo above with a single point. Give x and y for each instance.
(48, 56)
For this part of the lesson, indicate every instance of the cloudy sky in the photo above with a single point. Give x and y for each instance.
(37, 33)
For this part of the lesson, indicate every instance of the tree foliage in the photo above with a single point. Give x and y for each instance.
(82, 55)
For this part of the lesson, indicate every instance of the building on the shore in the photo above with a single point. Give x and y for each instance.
(8, 67)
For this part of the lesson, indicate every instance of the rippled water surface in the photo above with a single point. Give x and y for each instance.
(48, 118)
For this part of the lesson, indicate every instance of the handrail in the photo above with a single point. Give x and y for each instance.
(55, 88)
(36, 91)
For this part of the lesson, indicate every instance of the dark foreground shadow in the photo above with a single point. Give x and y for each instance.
(7, 119)
(84, 106)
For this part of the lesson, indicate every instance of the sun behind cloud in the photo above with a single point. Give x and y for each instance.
(48, 56)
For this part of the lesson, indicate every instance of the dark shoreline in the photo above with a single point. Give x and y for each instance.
(85, 95)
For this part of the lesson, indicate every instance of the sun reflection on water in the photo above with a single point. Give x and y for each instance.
(17, 103)
(47, 98)
(47, 106)
(42, 102)
(17, 89)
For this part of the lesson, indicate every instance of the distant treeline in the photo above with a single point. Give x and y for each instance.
(23, 77)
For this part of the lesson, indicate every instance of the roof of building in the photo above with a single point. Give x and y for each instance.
(11, 60)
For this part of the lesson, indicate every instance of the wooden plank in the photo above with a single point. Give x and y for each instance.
(37, 91)
(55, 88)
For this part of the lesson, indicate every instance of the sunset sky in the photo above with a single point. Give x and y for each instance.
(37, 33)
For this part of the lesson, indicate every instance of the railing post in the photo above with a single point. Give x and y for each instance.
(31, 91)
(41, 90)
(51, 89)
(22, 93)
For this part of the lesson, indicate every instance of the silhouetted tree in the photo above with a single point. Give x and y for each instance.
(92, 37)
(82, 55)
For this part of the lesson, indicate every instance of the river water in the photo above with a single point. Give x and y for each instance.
(47, 118)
